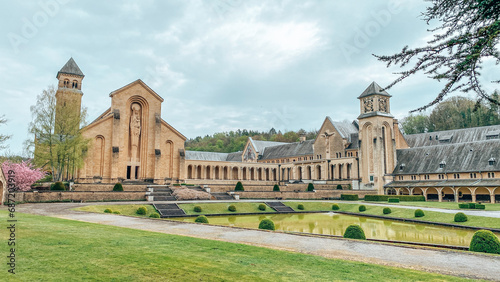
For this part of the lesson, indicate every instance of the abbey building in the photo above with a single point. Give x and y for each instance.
(130, 141)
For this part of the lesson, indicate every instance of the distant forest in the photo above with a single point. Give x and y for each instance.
(233, 141)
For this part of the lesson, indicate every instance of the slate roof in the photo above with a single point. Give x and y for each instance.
(452, 136)
(212, 156)
(354, 139)
(458, 157)
(345, 129)
(373, 89)
(71, 68)
(446, 183)
(234, 157)
(260, 146)
(289, 150)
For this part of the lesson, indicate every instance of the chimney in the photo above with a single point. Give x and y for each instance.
(302, 138)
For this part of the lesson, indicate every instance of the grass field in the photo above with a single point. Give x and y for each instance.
(123, 209)
(51, 249)
(213, 208)
(476, 221)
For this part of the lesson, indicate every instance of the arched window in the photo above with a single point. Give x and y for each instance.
(75, 84)
(66, 83)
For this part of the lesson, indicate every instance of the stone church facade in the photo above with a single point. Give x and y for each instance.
(130, 141)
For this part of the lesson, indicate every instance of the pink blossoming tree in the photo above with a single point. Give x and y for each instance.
(25, 173)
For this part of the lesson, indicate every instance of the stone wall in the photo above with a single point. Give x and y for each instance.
(107, 188)
(78, 196)
(283, 188)
(319, 194)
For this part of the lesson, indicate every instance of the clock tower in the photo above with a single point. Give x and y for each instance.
(376, 138)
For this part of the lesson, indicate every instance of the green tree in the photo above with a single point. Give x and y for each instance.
(416, 124)
(3, 137)
(468, 34)
(58, 142)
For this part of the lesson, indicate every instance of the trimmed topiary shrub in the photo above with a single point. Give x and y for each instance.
(117, 212)
(262, 207)
(118, 187)
(300, 207)
(197, 208)
(201, 219)
(142, 211)
(472, 205)
(57, 186)
(276, 188)
(485, 241)
(393, 200)
(480, 207)
(231, 208)
(108, 211)
(339, 187)
(386, 210)
(362, 208)
(267, 224)
(460, 217)
(310, 187)
(419, 213)
(154, 215)
(354, 232)
(335, 207)
(349, 197)
(463, 206)
(239, 187)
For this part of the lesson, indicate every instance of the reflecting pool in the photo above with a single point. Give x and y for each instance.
(335, 224)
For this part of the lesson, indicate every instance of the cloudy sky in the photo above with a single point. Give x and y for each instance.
(220, 65)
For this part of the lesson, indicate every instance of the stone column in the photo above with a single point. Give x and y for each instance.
(455, 194)
(440, 195)
(424, 192)
(398, 191)
(410, 191)
(473, 194)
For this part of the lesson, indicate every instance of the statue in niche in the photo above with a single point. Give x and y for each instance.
(135, 130)
(327, 136)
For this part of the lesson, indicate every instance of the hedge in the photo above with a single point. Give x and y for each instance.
(393, 200)
(402, 198)
(118, 187)
(463, 206)
(472, 206)
(485, 241)
(108, 211)
(201, 219)
(58, 186)
(339, 187)
(267, 224)
(354, 232)
(460, 217)
(154, 215)
(349, 197)
(480, 207)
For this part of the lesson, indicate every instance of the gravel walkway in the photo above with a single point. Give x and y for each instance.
(433, 260)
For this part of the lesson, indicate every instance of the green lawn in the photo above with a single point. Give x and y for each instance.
(442, 205)
(476, 221)
(123, 209)
(51, 249)
(214, 208)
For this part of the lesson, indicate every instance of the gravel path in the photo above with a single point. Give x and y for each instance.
(433, 260)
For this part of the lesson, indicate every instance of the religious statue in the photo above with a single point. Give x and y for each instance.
(327, 136)
(135, 130)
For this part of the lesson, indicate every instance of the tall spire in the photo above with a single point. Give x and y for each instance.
(71, 68)
(374, 89)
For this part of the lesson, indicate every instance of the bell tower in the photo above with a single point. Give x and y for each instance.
(376, 137)
(69, 92)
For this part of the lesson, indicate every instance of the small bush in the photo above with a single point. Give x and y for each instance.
(419, 213)
(339, 187)
(362, 208)
(463, 206)
(276, 188)
(267, 224)
(485, 241)
(118, 187)
(262, 207)
(393, 200)
(300, 207)
(472, 205)
(231, 208)
(58, 186)
(108, 211)
(197, 209)
(201, 219)
(142, 211)
(335, 207)
(354, 232)
(349, 197)
(239, 187)
(154, 215)
(310, 187)
(480, 207)
(386, 210)
(460, 217)
(117, 212)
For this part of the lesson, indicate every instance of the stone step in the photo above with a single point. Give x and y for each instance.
(164, 198)
(279, 207)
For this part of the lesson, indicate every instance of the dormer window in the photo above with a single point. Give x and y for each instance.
(401, 167)
(493, 135)
(442, 164)
(492, 161)
(445, 139)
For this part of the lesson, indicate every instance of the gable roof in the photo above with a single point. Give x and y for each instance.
(138, 81)
(289, 150)
(453, 136)
(71, 68)
(345, 129)
(212, 156)
(374, 89)
(260, 145)
(459, 157)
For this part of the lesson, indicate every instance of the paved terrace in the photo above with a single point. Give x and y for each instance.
(450, 262)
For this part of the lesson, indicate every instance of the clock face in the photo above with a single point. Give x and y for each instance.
(368, 105)
(382, 105)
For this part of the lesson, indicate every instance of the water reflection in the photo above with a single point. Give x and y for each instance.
(335, 224)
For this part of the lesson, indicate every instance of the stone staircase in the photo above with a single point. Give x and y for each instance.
(222, 196)
(162, 193)
(279, 207)
(169, 210)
